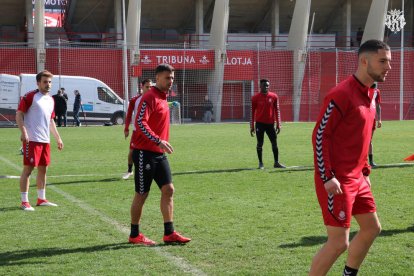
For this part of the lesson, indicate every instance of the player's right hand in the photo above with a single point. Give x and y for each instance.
(166, 147)
(24, 138)
(333, 186)
(126, 133)
(252, 132)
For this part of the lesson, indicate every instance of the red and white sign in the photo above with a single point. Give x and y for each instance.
(179, 59)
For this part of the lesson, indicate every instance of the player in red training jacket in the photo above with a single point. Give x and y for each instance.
(265, 114)
(340, 141)
(132, 110)
(149, 147)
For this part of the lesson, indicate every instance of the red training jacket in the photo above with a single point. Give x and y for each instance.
(152, 122)
(265, 109)
(343, 131)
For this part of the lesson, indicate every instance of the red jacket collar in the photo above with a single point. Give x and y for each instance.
(365, 90)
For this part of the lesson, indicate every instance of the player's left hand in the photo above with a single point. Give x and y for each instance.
(60, 144)
(278, 128)
(126, 133)
(252, 132)
(379, 124)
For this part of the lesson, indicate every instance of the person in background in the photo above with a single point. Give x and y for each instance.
(359, 35)
(34, 117)
(76, 108)
(132, 113)
(208, 110)
(60, 108)
(65, 115)
(265, 115)
(377, 123)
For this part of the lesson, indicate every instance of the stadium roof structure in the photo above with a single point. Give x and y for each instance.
(247, 16)
(178, 17)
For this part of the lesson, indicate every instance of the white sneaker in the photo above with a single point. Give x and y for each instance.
(127, 175)
(45, 202)
(25, 206)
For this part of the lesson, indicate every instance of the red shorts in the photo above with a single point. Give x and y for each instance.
(133, 138)
(337, 210)
(36, 154)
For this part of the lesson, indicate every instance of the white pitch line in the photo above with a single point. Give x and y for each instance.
(11, 164)
(177, 261)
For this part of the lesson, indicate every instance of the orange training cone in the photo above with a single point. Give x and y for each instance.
(409, 158)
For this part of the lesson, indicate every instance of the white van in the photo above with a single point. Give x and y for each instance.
(99, 101)
(9, 96)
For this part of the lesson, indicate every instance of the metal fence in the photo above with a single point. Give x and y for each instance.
(196, 75)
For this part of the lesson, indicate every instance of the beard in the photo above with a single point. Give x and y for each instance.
(375, 76)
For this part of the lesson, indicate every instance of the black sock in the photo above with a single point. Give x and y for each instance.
(168, 228)
(370, 158)
(134, 230)
(129, 168)
(348, 271)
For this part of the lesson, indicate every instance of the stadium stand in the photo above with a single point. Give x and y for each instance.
(86, 43)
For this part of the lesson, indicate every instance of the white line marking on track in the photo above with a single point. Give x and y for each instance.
(177, 261)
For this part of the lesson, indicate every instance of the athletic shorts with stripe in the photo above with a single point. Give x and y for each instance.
(36, 154)
(337, 210)
(150, 166)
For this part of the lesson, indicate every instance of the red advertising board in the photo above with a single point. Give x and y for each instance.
(239, 65)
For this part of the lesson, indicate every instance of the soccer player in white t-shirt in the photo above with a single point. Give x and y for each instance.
(34, 117)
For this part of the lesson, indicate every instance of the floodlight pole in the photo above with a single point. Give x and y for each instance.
(59, 63)
(125, 59)
(402, 69)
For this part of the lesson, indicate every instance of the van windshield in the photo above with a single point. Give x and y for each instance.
(106, 95)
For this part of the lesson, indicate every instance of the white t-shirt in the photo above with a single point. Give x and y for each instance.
(39, 110)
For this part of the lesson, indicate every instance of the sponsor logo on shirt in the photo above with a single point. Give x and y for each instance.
(341, 215)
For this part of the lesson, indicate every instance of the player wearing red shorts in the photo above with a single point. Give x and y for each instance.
(132, 110)
(340, 141)
(34, 117)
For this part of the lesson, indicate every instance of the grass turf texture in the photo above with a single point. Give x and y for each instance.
(242, 220)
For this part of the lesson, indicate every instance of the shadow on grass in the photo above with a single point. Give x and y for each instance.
(20, 257)
(8, 209)
(315, 240)
(391, 166)
(113, 179)
(293, 169)
(214, 171)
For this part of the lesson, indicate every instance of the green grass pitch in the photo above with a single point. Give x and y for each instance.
(243, 221)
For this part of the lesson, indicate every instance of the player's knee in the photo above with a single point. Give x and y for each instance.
(373, 231)
(168, 190)
(339, 246)
(259, 146)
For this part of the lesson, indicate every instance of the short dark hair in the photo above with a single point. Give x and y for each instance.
(373, 45)
(263, 81)
(164, 68)
(145, 81)
(43, 73)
